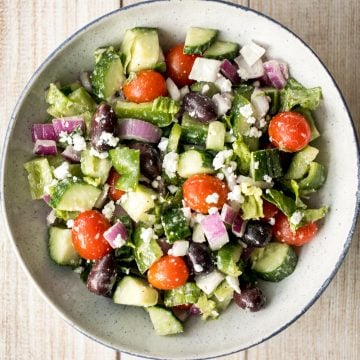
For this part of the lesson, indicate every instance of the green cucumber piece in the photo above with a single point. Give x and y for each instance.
(174, 138)
(136, 292)
(159, 112)
(164, 322)
(138, 202)
(70, 195)
(193, 162)
(39, 176)
(216, 136)
(94, 167)
(299, 165)
(311, 121)
(175, 225)
(206, 88)
(199, 39)
(265, 163)
(244, 90)
(243, 155)
(108, 75)
(221, 50)
(223, 295)
(126, 162)
(61, 247)
(227, 258)
(274, 262)
(146, 252)
(315, 178)
(193, 131)
(274, 95)
(186, 294)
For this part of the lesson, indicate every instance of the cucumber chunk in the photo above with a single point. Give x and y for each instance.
(39, 176)
(311, 121)
(175, 225)
(299, 165)
(94, 167)
(193, 162)
(136, 292)
(61, 247)
(274, 95)
(193, 131)
(72, 195)
(315, 178)
(265, 163)
(199, 39)
(216, 136)
(274, 262)
(206, 88)
(174, 138)
(164, 322)
(221, 50)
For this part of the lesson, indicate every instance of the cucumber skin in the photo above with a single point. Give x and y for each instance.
(193, 132)
(199, 48)
(170, 326)
(230, 54)
(283, 271)
(175, 225)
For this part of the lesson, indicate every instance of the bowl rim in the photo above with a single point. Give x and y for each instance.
(9, 130)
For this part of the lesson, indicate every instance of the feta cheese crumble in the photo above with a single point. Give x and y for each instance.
(223, 84)
(119, 241)
(78, 142)
(296, 217)
(271, 221)
(173, 189)
(70, 223)
(254, 132)
(107, 138)
(62, 171)
(163, 144)
(148, 234)
(212, 198)
(222, 104)
(170, 164)
(267, 178)
(108, 210)
(235, 194)
(221, 157)
(213, 210)
(246, 110)
(100, 155)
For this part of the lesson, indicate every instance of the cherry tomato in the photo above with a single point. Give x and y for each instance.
(289, 131)
(301, 236)
(202, 192)
(179, 65)
(87, 235)
(146, 86)
(169, 272)
(114, 193)
(269, 210)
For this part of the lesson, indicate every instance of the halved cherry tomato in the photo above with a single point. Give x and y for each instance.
(201, 191)
(169, 272)
(146, 86)
(179, 65)
(289, 131)
(283, 233)
(87, 235)
(269, 210)
(114, 193)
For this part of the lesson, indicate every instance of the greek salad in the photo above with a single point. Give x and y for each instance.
(176, 180)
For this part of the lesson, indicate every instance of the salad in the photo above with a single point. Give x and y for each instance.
(177, 181)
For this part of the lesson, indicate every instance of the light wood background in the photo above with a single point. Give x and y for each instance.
(29, 329)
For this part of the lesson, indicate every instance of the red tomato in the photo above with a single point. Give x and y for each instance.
(301, 236)
(114, 193)
(179, 65)
(169, 272)
(197, 188)
(289, 131)
(269, 210)
(87, 235)
(146, 86)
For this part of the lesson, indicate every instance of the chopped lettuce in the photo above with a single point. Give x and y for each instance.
(285, 203)
(252, 206)
(242, 153)
(223, 295)
(227, 258)
(187, 294)
(207, 307)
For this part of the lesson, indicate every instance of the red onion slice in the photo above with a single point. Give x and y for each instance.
(215, 231)
(68, 124)
(43, 132)
(273, 71)
(47, 198)
(238, 226)
(134, 129)
(71, 155)
(45, 147)
(116, 235)
(228, 214)
(230, 71)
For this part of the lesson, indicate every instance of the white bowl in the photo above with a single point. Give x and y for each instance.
(129, 329)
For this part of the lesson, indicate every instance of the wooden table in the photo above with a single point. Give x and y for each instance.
(29, 328)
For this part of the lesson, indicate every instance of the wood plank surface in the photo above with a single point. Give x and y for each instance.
(29, 328)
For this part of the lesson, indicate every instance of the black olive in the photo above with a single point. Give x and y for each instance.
(199, 107)
(257, 233)
(200, 258)
(251, 297)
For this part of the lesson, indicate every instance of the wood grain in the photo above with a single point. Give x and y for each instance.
(29, 328)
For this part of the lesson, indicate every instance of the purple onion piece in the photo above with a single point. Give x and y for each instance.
(68, 124)
(134, 129)
(43, 132)
(238, 226)
(230, 71)
(228, 214)
(116, 235)
(47, 198)
(284, 69)
(215, 231)
(45, 147)
(194, 310)
(272, 69)
(71, 155)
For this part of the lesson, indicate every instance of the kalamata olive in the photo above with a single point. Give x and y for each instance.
(165, 246)
(200, 258)
(257, 233)
(150, 163)
(102, 275)
(251, 298)
(103, 127)
(199, 107)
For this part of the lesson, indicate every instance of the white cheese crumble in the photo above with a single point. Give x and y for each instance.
(235, 194)
(107, 138)
(252, 52)
(222, 104)
(155, 184)
(212, 198)
(173, 189)
(180, 248)
(254, 132)
(148, 234)
(70, 223)
(221, 157)
(170, 164)
(62, 171)
(108, 210)
(256, 165)
(262, 123)
(78, 142)
(230, 176)
(220, 176)
(213, 210)
(223, 84)
(296, 217)
(163, 144)
(65, 138)
(267, 178)
(251, 120)
(198, 268)
(50, 219)
(271, 221)
(119, 241)
(246, 110)
(100, 155)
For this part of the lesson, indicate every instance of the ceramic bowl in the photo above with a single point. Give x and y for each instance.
(129, 329)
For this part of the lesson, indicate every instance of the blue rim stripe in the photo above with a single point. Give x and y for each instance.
(62, 45)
